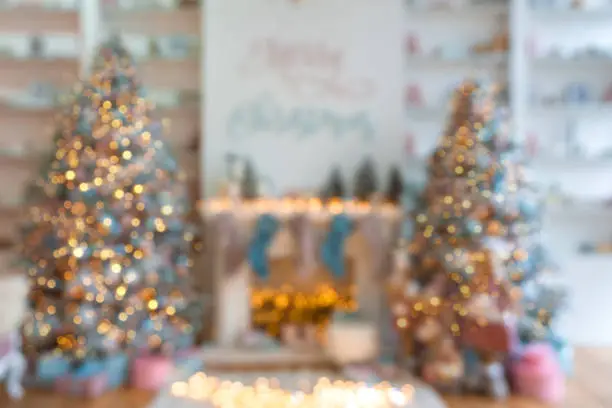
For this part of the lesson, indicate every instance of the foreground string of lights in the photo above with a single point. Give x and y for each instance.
(267, 393)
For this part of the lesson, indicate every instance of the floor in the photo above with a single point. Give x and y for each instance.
(589, 388)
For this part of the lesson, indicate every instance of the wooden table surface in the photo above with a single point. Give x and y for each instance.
(591, 387)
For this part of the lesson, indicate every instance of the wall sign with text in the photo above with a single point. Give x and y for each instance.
(300, 86)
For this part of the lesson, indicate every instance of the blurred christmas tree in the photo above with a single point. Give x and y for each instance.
(474, 255)
(366, 181)
(395, 186)
(334, 189)
(250, 184)
(107, 247)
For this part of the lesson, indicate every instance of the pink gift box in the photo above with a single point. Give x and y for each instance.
(537, 374)
(90, 387)
(151, 372)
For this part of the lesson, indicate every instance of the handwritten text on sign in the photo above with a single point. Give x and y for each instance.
(301, 88)
(307, 71)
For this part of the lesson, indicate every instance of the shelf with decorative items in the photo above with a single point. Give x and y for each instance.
(585, 109)
(566, 91)
(446, 42)
(572, 15)
(40, 59)
(480, 60)
(165, 37)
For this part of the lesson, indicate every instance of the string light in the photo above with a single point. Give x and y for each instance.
(324, 393)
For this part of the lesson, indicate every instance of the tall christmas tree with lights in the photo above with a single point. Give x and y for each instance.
(106, 244)
(478, 283)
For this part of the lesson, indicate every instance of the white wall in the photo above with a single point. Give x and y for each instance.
(358, 73)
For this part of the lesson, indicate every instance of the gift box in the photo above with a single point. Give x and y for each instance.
(537, 374)
(90, 380)
(490, 337)
(116, 368)
(352, 342)
(44, 371)
(151, 372)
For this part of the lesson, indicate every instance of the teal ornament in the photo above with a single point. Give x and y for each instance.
(266, 228)
(332, 251)
(407, 229)
(487, 133)
(483, 160)
(113, 225)
(473, 227)
(498, 180)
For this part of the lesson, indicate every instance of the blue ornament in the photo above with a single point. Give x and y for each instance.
(110, 222)
(332, 251)
(529, 210)
(50, 241)
(148, 325)
(473, 227)
(483, 160)
(182, 260)
(266, 228)
(498, 180)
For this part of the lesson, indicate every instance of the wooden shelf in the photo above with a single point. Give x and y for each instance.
(17, 161)
(179, 74)
(38, 20)
(181, 124)
(21, 73)
(32, 127)
(184, 21)
(8, 210)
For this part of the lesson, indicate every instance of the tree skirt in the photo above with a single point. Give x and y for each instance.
(183, 393)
